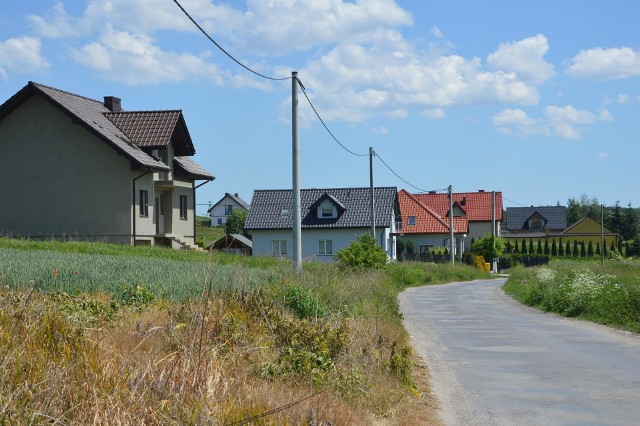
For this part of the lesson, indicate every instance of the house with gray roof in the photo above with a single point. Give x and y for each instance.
(331, 220)
(75, 167)
(535, 220)
(221, 210)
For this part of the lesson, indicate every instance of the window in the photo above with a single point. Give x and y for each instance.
(536, 226)
(411, 220)
(279, 247)
(161, 204)
(228, 208)
(144, 203)
(426, 248)
(284, 212)
(162, 155)
(183, 207)
(327, 212)
(325, 247)
(219, 221)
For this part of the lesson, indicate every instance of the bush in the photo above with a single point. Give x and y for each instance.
(363, 254)
(303, 303)
(488, 247)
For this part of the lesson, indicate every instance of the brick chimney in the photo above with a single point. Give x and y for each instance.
(236, 194)
(112, 103)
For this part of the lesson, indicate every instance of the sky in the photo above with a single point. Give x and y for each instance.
(539, 100)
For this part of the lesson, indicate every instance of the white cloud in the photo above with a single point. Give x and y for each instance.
(135, 59)
(21, 55)
(605, 64)
(58, 23)
(602, 156)
(623, 98)
(525, 58)
(435, 31)
(566, 122)
(380, 130)
(434, 114)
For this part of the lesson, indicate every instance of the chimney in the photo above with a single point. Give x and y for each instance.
(480, 190)
(432, 192)
(236, 194)
(112, 103)
(464, 201)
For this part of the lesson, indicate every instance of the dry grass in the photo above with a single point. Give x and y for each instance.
(165, 365)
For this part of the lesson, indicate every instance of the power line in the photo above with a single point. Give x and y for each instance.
(224, 51)
(511, 201)
(325, 126)
(401, 178)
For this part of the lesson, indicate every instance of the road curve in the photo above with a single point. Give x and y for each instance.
(496, 362)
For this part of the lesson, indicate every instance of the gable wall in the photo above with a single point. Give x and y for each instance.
(218, 211)
(57, 178)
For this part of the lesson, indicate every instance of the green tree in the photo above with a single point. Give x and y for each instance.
(567, 251)
(616, 219)
(554, 248)
(489, 247)
(235, 222)
(575, 249)
(630, 226)
(613, 247)
(539, 251)
(560, 248)
(531, 251)
(633, 248)
(363, 253)
(577, 208)
(583, 251)
(410, 247)
(399, 247)
(598, 249)
(546, 246)
(516, 249)
(590, 249)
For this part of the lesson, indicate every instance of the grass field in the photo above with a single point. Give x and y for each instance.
(147, 335)
(608, 294)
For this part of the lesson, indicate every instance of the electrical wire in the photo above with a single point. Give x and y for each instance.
(325, 126)
(511, 201)
(400, 177)
(224, 51)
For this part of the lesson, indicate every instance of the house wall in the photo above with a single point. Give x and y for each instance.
(217, 212)
(480, 229)
(263, 246)
(57, 180)
(180, 228)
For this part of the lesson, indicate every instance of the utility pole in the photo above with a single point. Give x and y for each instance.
(372, 202)
(452, 243)
(602, 234)
(295, 152)
(493, 218)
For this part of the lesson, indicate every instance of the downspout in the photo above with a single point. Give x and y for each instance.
(194, 208)
(133, 203)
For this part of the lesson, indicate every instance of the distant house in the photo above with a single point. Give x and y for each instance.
(74, 167)
(221, 210)
(427, 230)
(331, 220)
(531, 220)
(233, 243)
(473, 213)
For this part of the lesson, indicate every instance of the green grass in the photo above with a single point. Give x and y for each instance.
(206, 235)
(608, 294)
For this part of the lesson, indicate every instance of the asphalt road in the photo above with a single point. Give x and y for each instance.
(496, 362)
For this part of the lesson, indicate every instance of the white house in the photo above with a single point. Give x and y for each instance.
(331, 220)
(221, 210)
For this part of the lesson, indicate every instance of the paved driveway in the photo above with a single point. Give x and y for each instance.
(496, 362)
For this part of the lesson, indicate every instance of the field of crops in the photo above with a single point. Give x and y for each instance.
(166, 278)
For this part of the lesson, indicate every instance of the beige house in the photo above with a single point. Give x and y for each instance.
(77, 168)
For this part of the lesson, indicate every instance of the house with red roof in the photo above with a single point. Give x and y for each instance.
(426, 218)
(73, 167)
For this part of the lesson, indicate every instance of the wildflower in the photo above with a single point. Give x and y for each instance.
(55, 272)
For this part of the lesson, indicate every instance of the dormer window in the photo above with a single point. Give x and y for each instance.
(327, 212)
(327, 207)
(411, 220)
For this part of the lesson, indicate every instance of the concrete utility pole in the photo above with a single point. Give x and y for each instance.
(452, 242)
(493, 218)
(602, 234)
(295, 195)
(372, 202)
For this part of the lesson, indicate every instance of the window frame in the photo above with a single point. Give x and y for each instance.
(228, 208)
(143, 197)
(428, 248)
(411, 220)
(184, 211)
(325, 247)
(281, 249)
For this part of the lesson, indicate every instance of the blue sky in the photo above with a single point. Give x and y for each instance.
(539, 100)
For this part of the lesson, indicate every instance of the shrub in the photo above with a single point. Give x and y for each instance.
(303, 303)
(363, 254)
(488, 247)
(410, 247)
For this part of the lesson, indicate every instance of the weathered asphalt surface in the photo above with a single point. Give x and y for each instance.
(496, 362)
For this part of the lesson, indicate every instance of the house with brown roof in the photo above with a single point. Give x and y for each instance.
(426, 217)
(98, 172)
